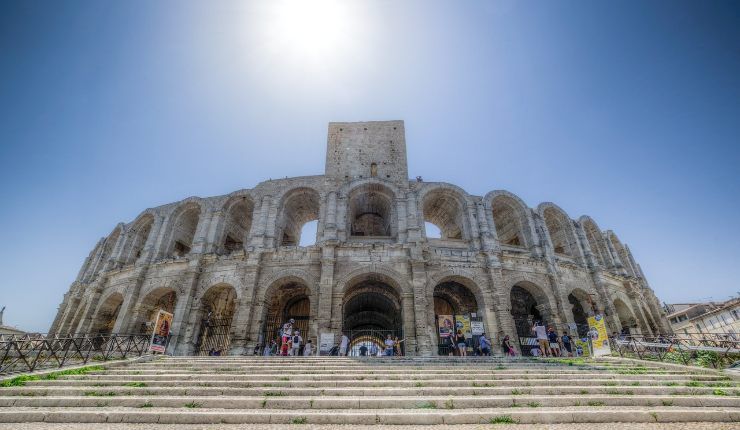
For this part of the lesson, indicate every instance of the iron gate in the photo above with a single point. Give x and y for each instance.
(370, 337)
(214, 337)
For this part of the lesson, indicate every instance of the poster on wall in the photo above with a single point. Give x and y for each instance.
(444, 322)
(582, 347)
(476, 327)
(462, 323)
(326, 343)
(598, 335)
(161, 332)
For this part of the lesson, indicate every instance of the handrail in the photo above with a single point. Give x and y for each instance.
(30, 352)
(715, 350)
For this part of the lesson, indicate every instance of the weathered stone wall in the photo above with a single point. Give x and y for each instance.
(173, 255)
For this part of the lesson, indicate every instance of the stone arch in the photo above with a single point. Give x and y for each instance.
(77, 319)
(161, 298)
(580, 306)
(510, 219)
(561, 231)
(238, 211)
(595, 241)
(287, 297)
(216, 312)
(297, 207)
(626, 315)
(183, 226)
(621, 253)
(528, 303)
(107, 314)
(371, 210)
(137, 235)
(445, 207)
(380, 272)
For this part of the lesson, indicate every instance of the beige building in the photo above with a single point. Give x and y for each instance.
(703, 318)
(232, 268)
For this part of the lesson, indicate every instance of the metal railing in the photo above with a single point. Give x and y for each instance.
(702, 349)
(30, 352)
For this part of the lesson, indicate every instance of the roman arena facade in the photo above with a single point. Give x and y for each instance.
(232, 268)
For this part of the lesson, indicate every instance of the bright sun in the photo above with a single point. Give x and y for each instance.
(313, 29)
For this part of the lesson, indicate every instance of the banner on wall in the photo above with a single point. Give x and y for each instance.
(476, 327)
(598, 335)
(446, 327)
(582, 347)
(462, 323)
(161, 332)
(326, 343)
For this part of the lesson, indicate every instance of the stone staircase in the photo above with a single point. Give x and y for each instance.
(331, 390)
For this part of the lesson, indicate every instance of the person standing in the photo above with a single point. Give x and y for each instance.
(462, 347)
(507, 347)
(566, 343)
(296, 343)
(344, 345)
(373, 350)
(552, 339)
(363, 350)
(539, 330)
(484, 344)
(388, 346)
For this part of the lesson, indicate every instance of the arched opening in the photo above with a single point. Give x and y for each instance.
(160, 299)
(110, 243)
(217, 311)
(595, 242)
(105, 319)
(622, 254)
(650, 321)
(138, 235)
(298, 208)
(183, 230)
(432, 231)
(580, 307)
(371, 211)
(509, 221)
(371, 310)
(454, 303)
(290, 300)
(560, 232)
(237, 223)
(626, 317)
(528, 306)
(445, 212)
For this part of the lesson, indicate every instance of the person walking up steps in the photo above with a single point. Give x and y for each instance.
(344, 346)
(484, 344)
(296, 344)
(462, 347)
(541, 332)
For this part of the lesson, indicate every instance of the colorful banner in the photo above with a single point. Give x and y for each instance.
(445, 324)
(599, 336)
(462, 323)
(582, 347)
(161, 332)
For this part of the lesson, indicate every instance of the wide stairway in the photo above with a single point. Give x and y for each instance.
(318, 390)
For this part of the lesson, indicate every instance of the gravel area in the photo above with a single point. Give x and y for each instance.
(606, 426)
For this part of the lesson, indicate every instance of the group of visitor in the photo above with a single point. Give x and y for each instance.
(291, 343)
(549, 343)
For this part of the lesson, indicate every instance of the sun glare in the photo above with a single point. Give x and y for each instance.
(313, 29)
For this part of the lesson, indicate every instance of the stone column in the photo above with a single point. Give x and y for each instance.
(184, 321)
(412, 225)
(422, 344)
(213, 236)
(325, 289)
(242, 322)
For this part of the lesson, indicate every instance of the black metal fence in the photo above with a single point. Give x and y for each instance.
(30, 352)
(701, 349)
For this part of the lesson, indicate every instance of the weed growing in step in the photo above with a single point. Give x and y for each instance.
(100, 394)
(667, 402)
(694, 384)
(516, 392)
(426, 405)
(135, 384)
(610, 384)
(500, 367)
(654, 415)
(284, 378)
(583, 392)
(101, 404)
(720, 384)
(534, 404)
(419, 384)
(274, 394)
(635, 384)
(146, 405)
(502, 419)
(264, 403)
(449, 404)
(193, 405)
(719, 392)
(671, 384)
(595, 403)
(299, 420)
(20, 381)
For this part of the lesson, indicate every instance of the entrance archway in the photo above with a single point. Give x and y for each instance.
(105, 319)
(217, 311)
(159, 299)
(452, 299)
(626, 317)
(288, 301)
(528, 305)
(371, 310)
(579, 307)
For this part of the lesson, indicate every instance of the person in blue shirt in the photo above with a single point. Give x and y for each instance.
(566, 343)
(484, 344)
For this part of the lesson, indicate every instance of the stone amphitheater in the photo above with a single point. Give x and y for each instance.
(389, 255)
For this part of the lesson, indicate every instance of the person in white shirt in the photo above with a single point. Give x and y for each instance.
(308, 349)
(541, 332)
(343, 345)
(389, 346)
(296, 344)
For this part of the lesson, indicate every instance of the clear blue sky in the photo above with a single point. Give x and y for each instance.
(626, 111)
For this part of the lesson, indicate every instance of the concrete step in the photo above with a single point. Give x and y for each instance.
(370, 417)
(359, 402)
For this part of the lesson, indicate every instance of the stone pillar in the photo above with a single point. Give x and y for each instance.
(413, 227)
(244, 321)
(115, 255)
(618, 264)
(184, 321)
(422, 344)
(325, 289)
(92, 307)
(402, 224)
(214, 234)
(408, 303)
